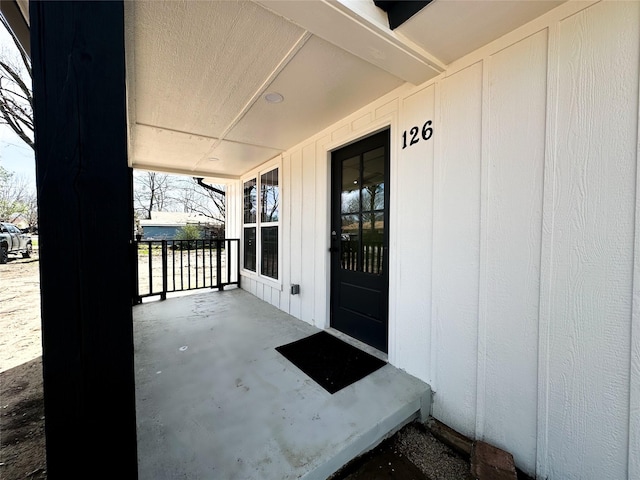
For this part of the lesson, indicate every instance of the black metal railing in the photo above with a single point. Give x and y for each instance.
(165, 266)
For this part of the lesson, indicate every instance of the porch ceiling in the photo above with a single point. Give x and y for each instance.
(198, 71)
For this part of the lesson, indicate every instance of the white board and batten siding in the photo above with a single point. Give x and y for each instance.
(514, 240)
(588, 271)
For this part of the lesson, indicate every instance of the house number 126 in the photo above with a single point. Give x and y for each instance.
(427, 132)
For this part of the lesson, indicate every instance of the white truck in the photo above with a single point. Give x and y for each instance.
(12, 240)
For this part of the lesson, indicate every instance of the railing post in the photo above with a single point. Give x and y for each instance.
(196, 249)
(163, 295)
(211, 263)
(219, 264)
(150, 257)
(227, 248)
(238, 263)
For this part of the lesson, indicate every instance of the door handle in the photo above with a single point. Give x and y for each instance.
(334, 239)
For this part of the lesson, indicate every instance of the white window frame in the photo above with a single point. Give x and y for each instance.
(256, 175)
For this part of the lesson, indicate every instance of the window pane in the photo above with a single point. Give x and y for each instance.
(250, 248)
(269, 196)
(250, 201)
(373, 180)
(269, 252)
(350, 187)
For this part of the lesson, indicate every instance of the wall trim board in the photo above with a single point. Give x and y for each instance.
(634, 361)
(322, 259)
(308, 279)
(285, 233)
(546, 251)
(295, 230)
(484, 252)
(437, 152)
(392, 325)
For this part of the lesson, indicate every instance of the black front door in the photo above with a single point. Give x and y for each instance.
(360, 240)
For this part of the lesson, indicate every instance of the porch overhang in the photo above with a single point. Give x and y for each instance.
(196, 93)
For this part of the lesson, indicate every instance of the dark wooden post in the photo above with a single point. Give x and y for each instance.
(85, 225)
(135, 288)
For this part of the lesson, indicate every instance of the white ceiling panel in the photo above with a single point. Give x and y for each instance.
(321, 85)
(449, 29)
(235, 158)
(197, 63)
(182, 151)
(185, 153)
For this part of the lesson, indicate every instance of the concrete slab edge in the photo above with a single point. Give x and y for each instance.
(367, 441)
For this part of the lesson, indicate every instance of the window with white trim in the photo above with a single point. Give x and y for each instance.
(261, 217)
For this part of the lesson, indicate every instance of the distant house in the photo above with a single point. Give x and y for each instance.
(20, 221)
(165, 225)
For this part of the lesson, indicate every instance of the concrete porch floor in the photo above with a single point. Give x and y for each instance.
(215, 400)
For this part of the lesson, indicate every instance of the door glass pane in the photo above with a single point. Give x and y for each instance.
(373, 180)
(373, 175)
(269, 196)
(349, 241)
(362, 209)
(350, 185)
(372, 243)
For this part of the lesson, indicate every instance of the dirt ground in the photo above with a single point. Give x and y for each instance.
(20, 339)
(22, 442)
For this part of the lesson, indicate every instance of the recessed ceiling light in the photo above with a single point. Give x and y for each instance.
(273, 97)
(213, 159)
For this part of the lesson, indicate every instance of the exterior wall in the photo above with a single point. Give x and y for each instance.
(513, 244)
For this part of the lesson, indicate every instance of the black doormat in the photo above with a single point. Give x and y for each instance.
(329, 361)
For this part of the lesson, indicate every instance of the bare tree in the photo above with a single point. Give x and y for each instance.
(206, 200)
(16, 100)
(155, 192)
(152, 192)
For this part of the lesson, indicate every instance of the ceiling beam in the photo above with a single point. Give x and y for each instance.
(362, 35)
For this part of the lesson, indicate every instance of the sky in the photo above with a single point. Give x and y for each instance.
(15, 156)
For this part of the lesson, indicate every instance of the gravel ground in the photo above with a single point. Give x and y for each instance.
(436, 460)
(411, 454)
